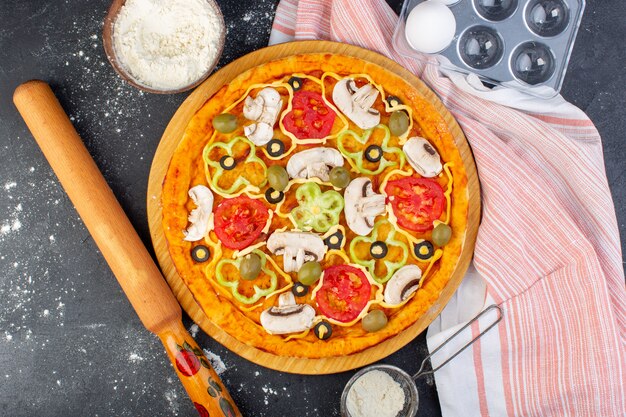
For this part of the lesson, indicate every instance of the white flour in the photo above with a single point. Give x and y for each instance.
(166, 44)
(375, 394)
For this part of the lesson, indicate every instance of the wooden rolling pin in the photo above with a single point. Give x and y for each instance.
(122, 248)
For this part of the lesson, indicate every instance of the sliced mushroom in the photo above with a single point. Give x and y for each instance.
(263, 110)
(356, 103)
(199, 217)
(259, 133)
(296, 248)
(362, 205)
(404, 282)
(252, 108)
(423, 157)
(288, 317)
(316, 162)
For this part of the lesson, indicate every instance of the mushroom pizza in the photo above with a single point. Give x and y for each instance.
(316, 206)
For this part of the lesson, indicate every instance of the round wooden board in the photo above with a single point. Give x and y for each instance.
(174, 133)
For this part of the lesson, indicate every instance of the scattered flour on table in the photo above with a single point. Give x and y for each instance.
(193, 330)
(167, 45)
(375, 394)
(172, 400)
(216, 362)
(267, 390)
(13, 223)
(134, 357)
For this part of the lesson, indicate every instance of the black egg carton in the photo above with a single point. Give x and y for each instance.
(525, 44)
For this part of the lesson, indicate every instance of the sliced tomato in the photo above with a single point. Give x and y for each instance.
(239, 221)
(344, 293)
(310, 117)
(416, 202)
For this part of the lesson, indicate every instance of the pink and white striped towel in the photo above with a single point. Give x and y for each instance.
(548, 249)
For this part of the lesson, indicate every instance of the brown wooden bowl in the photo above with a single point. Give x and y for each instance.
(107, 40)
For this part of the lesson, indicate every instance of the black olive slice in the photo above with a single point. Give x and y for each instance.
(373, 153)
(295, 83)
(378, 249)
(323, 330)
(200, 253)
(275, 147)
(227, 162)
(424, 250)
(393, 101)
(299, 289)
(334, 241)
(272, 196)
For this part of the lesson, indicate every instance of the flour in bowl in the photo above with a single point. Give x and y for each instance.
(167, 44)
(375, 394)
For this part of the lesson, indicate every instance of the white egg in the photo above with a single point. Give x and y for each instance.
(430, 27)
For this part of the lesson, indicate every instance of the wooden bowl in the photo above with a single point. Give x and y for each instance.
(107, 40)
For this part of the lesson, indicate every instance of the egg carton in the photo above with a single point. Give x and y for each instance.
(524, 44)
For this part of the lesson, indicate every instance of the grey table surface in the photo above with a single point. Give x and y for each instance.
(70, 344)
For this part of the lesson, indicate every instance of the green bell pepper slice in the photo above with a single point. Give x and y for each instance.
(241, 180)
(390, 240)
(316, 210)
(357, 158)
(234, 285)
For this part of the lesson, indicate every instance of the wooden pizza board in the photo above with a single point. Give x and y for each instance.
(174, 133)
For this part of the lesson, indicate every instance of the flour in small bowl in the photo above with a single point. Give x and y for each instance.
(167, 44)
(375, 394)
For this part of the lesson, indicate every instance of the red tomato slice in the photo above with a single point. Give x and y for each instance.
(344, 293)
(416, 202)
(239, 221)
(309, 118)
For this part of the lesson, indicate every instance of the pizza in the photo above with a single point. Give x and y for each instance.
(315, 206)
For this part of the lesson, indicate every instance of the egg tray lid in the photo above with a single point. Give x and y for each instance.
(523, 44)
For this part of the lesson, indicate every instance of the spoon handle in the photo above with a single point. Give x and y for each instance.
(500, 314)
(120, 245)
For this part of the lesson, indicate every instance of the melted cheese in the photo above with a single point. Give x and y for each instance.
(448, 192)
(245, 251)
(298, 336)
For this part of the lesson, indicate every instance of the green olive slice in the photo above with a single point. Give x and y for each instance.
(309, 273)
(250, 266)
(277, 177)
(442, 234)
(339, 177)
(398, 123)
(374, 321)
(225, 122)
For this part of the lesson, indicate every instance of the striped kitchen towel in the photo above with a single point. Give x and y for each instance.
(548, 249)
